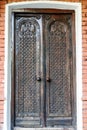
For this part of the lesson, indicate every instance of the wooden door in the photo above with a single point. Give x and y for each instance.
(58, 70)
(43, 70)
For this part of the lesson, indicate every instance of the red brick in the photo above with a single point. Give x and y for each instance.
(85, 89)
(1, 119)
(1, 49)
(2, 6)
(1, 106)
(84, 98)
(2, 32)
(2, 111)
(3, 2)
(1, 29)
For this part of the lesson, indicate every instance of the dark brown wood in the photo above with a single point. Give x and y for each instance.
(59, 48)
(44, 81)
(27, 71)
(43, 11)
(73, 70)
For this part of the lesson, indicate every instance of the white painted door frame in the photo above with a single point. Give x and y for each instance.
(8, 34)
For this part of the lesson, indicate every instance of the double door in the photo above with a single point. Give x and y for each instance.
(43, 70)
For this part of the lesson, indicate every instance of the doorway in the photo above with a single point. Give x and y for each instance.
(43, 64)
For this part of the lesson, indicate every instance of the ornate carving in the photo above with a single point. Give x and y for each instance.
(27, 59)
(56, 86)
(59, 92)
(47, 17)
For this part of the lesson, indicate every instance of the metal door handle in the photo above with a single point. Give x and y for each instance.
(48, 79)
(38, 78)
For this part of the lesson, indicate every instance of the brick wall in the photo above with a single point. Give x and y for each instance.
(84, 45)
(2, 17)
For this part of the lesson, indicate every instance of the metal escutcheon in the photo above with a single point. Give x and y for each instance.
(38, 78)
(48, 79)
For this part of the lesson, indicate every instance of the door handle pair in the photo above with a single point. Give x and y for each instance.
(47, 79)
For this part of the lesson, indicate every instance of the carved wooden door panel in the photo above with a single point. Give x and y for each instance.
(43, 75)
(27, 70)
(58, 70)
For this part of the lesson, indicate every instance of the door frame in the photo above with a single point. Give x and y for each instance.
(43, 115)
(8, 41)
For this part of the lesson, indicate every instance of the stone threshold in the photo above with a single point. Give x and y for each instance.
(60, 128)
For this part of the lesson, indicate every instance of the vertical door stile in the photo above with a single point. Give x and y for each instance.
(73, 70)
(43, 85)
(47, 17)
(38, 58)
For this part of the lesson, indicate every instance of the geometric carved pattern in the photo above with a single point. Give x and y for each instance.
(27, 89)
(59, 70)
(37, 99)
